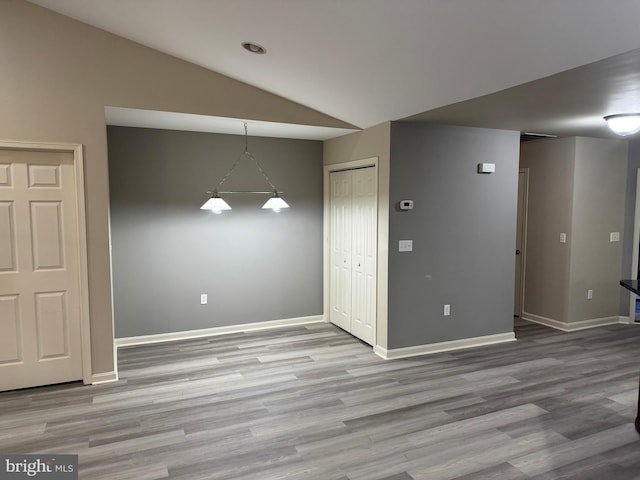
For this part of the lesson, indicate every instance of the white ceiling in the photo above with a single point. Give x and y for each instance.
(369, 61)
(130, 117)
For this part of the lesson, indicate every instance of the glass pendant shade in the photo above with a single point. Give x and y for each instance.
(275, 203)
(624, 124)
(215, 204)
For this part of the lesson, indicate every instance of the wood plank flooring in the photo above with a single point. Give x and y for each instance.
(314, 403)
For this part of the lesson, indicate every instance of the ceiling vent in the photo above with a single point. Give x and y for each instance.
(529, 137)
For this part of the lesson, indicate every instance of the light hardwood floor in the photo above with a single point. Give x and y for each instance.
(314, 403)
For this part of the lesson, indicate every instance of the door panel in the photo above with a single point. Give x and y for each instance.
(364, 254)
(46, 235)
(52, 323)
(353, 237)
(5, 175)
(44, 176)
(340, 204)
(10, 342)
(39, 270)
(7, 238)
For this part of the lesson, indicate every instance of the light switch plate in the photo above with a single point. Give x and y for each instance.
(405, 246)
(614, 237)
(486, 168)
(563, 238)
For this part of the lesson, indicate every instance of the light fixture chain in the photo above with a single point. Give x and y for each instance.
(246, 139)
(229, 172)
(235, 164)
(260, 169)
(246, 152)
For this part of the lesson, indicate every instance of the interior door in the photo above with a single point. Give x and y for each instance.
(40, 339)
(340, 226)
(521, 229)
(364, 206)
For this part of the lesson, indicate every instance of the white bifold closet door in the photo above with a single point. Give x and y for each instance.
(353, 251)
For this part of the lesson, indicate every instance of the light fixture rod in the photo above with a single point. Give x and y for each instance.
(270, 192)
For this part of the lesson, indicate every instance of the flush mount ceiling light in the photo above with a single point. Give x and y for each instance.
(254, 48)
(624, 123)
(217, 204)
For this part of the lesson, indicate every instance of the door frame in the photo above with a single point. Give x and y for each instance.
(81, 232)
(523, 249)
(635, 256)
(328, 169)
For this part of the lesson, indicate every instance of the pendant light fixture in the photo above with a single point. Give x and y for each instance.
(624, 123)
(217, 204)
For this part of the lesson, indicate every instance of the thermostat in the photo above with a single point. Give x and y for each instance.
(406, 204)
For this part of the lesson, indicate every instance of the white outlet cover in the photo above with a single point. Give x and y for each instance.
(614, 237)
(405, 245)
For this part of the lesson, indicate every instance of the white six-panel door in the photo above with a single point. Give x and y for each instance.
(353, 251)
(40, 338)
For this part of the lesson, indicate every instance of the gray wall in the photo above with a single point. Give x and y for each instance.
(255, 265)
(463, 230)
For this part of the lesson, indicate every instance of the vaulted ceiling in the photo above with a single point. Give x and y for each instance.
(550, 66)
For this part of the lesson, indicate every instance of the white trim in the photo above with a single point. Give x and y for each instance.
(634, 257)
(523, 246)
(431, 348)
(627, 321)
(573, 326)
(210, 332)
(106, 377)
(336, 167)
(83, 269)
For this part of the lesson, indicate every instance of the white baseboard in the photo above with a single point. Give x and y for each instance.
(630, 320)
(573, 326)
(430, 348)
(106, 377)
(210, 332)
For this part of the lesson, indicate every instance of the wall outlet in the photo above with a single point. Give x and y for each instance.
(447, 310)
(589, 294)
(405, 245)
(563, 238)
(614, 237)
(203, 299)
